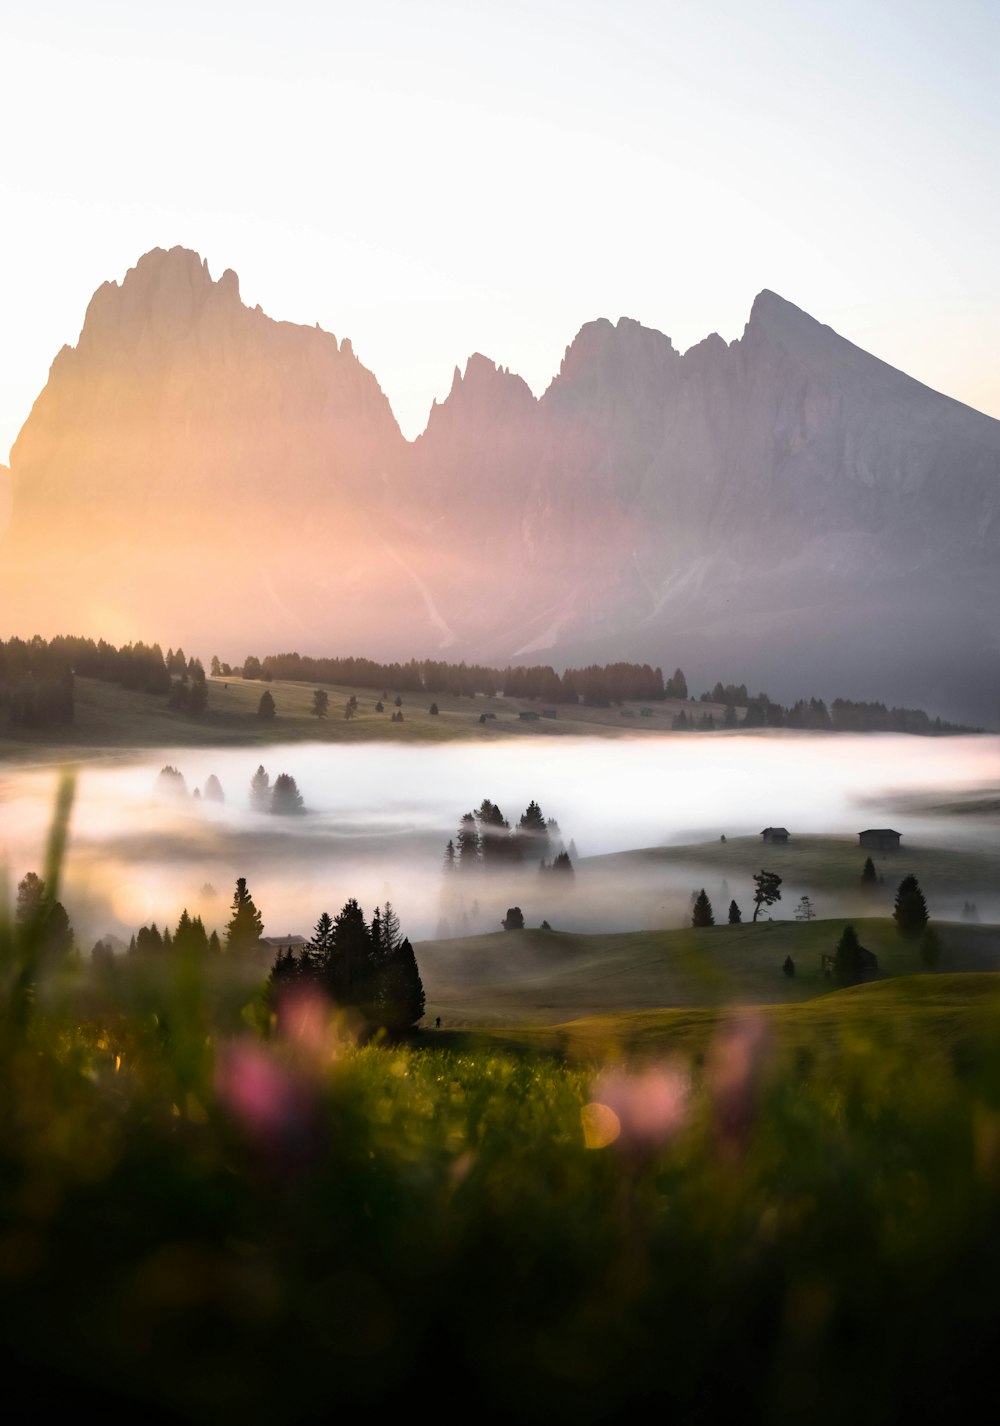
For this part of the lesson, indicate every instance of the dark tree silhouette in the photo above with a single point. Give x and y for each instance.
(449, 856)
(868, 873)
(788, 966)
(321, 702)
(244, 929)
(910, 909)
(514, 920)
(266, 707)
(766, 893)
(468, 845)
(805, 911)
(42, 917)
(847, 960)
(495, 841)
(701, 914)
(533, 833)
(563, 865)
(677, 686)
(400, 993)
(434, 709)
(286, 799)
(735, 914)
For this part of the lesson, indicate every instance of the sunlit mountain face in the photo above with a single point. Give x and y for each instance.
(784, 510)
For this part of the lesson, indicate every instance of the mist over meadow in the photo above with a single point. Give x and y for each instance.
(378, 819)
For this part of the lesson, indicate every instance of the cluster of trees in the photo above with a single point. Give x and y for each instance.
(842, 716)
(171, 785)
(283, 799)
(188, 937)
(36, 676)
(598, 685)
(36, 684)
(370, 969)
(486, 840)
(43, 918)
(765, 893)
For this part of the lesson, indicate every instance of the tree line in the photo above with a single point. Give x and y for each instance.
(596, 685)
(485, 840)
(368, 968)
(37, 676)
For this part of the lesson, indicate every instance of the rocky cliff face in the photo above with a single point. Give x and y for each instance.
(784, 509)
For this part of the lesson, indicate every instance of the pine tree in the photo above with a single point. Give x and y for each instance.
(351, 964)
(868, 873)
(245, 927)
(401, 997)
(260, 790)
(788, 966)
(286, 799)
(449, 856)
(266, 707)
(805, 911)
(735, 914)
(533, 833)
(702, 912)
(847, 966)
(321, 702)
(495, 842)
(467, 844)
(390, 932)
(910, 910)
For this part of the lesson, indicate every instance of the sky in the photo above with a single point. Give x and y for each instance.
(433, 178)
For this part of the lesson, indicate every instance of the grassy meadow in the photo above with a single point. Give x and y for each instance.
(108, 718)
(635, 1172)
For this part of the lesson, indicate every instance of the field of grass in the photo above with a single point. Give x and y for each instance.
(109, 718)
(544, 977)
(825, 865)
(632, 1174)
(209, 1217)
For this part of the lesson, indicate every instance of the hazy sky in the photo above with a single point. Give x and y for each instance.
(434, 178)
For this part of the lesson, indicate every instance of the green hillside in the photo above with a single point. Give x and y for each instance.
(109, 717)
(546, 977)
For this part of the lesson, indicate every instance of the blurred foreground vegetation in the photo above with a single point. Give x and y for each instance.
(207, 1214)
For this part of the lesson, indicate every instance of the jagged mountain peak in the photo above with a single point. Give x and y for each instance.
(484, 392)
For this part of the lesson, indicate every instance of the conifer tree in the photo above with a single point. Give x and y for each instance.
(260, 790)
(244, 929)
(286, 799)
(910, 910)
(266, 707)
(868, 873)
(701, 914)
(847, 967)
(735, 914)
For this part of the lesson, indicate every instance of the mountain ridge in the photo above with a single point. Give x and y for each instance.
(786, 491)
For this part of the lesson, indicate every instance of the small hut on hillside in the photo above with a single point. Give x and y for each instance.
(775, 834)
(880, 839)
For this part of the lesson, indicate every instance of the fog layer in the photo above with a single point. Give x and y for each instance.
(378, 819)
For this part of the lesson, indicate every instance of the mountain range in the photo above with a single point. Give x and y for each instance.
(783, 510)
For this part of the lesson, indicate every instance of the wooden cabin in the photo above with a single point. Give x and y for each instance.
(880, 839)
(775, 834)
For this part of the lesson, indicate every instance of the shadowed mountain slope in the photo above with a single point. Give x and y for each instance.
(784, 509)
